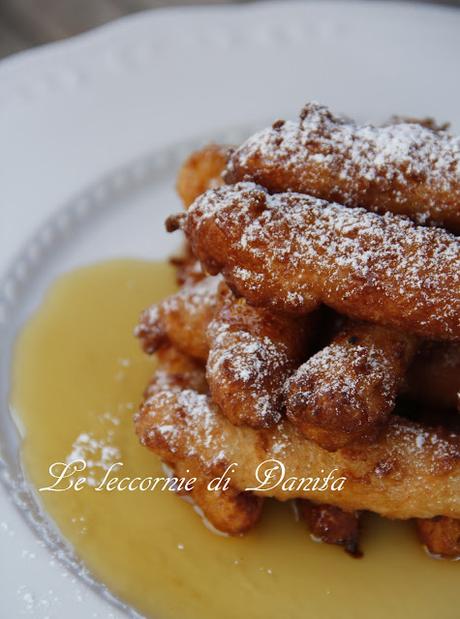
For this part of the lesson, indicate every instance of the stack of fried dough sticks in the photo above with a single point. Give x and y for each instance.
(317, 324)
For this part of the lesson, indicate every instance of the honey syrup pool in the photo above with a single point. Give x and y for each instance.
(78, 376)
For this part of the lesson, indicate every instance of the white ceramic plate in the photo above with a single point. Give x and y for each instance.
(121, 104)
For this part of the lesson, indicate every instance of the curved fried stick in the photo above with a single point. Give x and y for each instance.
(202, 170)
(410, 471)
(440, 536)
(332, 525)
(181, 319)
(345, 393)
(434, 377)
(252, 353)
(230, 511)
(290, 251)
(402, 168)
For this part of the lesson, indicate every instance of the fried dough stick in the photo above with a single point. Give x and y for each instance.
(403, 168)
(434, 377)
(410, 471)
(230, 511)
(332, 525)
(181, 319)
(440, 536)
(250, 352)
(291, 251)
(346, 392)
(202, 170)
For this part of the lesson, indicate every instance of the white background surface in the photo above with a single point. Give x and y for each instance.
(73, 111)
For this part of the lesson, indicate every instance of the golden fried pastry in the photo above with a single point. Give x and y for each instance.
(440, 536)
(188, 268)
(177, 371)
(230, 511)
(403, 168)
(332, 525)
(252, 351)
(434, 377)
(181, 319)
(410, 471)
(345, 393)
(291, 251)
(202, 170)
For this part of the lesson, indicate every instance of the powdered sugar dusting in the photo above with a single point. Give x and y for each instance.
(198, 429)
(99, 454)
(346, 376)
(301, 247)
(433, 450)
(404, 166)
(192, 298)
(246, 362)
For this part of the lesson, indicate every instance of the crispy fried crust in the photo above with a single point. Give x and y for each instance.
(440, 536)
(202, 170)
(345, 393)
(332, 525)
(252, 353)
(188, 268)
(434, 377)
(181, 319)
(410, 471)
(230, 511)
(403, 168)
(176, 371)
(290, 251)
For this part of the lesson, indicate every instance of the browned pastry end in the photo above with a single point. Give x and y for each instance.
(345, 393)
(229, 511)
(411, 471)
(181, 319)
(202, 170)
(188, 268)
(332, 525)
(440, 536)
(290, 251)
(404, 168)
(434, 376)
(252, 351)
